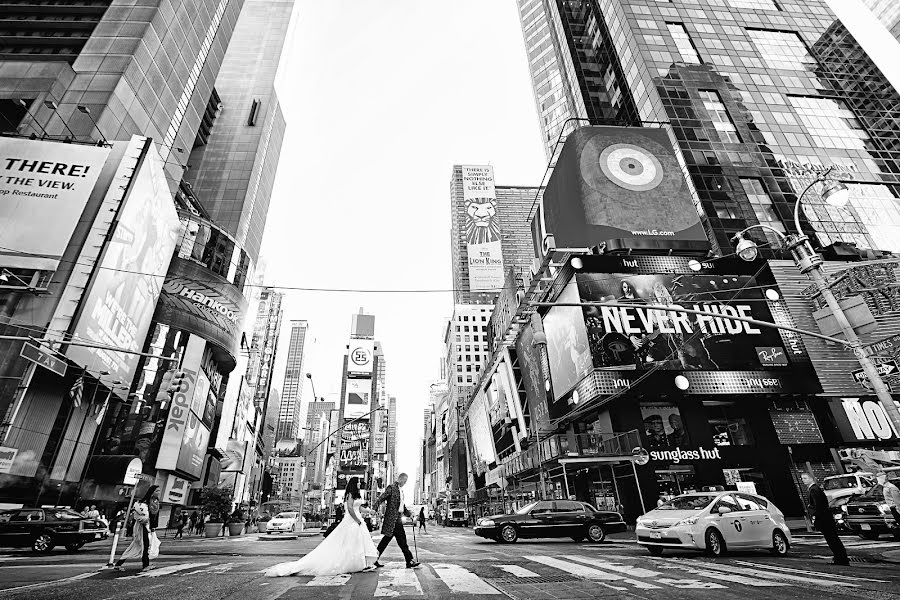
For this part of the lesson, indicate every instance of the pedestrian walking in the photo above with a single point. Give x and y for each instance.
(93, 513)
(823, 520)
(422, 520)
(891, 495)
(392, 526)
(194, 517)
(143, 545)
(179, 526)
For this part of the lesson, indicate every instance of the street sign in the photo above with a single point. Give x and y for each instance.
(886, 346)
(133, 472)
(886, 369)
(39, 357)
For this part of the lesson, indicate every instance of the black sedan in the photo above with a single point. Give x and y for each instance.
(42, 529)
(552, 519)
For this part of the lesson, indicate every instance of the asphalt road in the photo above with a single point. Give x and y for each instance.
(457, 564)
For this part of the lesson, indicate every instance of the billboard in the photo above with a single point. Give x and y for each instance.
(622, 187)
(862, 420)
(234, 456)
(354, 446)
(118, 306)
(532, 380)
(361, 357)
(641, 338)
(196, 300)
(479, 428)
(380, 429)
(185, 438)
(482, 225)
(568, 350)
(358, 398)
(44, 187)
(175, 491)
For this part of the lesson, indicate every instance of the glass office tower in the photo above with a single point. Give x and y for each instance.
(756, 94)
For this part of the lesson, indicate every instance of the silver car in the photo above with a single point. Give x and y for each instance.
(714, 522)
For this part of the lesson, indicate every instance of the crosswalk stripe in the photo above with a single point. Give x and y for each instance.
(328, 581)
(590, 573)
(640, 572)
(396, 580)
(518, 571)
(740, 579)
(459, 579)
(756, 572)
(814, 573)
(168, 570)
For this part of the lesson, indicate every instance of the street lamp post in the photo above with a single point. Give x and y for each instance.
(810, 264)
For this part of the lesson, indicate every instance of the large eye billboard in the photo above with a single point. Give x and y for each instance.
(640, 337)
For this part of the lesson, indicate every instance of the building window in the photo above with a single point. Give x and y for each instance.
(729, 426)
(765, 211)
(829, 122)
(714, 106)
(684, 44)
(781, 49)
(754, 4)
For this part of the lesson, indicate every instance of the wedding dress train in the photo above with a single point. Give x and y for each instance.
(348, 549)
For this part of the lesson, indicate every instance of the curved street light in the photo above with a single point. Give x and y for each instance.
(809, 263)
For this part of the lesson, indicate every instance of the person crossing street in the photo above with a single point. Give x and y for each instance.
(392, 525)
(823, 520)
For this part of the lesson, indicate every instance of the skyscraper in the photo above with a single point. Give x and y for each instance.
(753, 93)
(290, 413)
(234, 172)
(392, 429)
(490, 232)
(888, 12)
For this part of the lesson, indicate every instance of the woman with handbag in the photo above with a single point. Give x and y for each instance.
(144, 543)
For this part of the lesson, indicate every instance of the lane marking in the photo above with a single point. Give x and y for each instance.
(772, 575)
(739, 579)
(518, 571)
(640, 572)
(159, 572)
(396, 580)
(461, 580)
(328, 580)
(32, 586)
(590, 573)
(815, 573)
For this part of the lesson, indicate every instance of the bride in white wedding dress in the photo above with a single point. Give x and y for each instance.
(348, 549)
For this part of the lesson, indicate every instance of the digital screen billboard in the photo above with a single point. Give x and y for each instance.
(622, 187)
(361, 357)
(530, 357)
(119, 303)
(567, 343)
(641, 338)
(479, 428)
(355, 445)
(482, 224)
(357, 399)
(44, 188)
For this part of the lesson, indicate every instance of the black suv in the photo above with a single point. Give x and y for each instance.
(42, 529)
(552, 519)
(868, 516)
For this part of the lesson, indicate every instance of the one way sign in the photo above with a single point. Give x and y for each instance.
(886, 369)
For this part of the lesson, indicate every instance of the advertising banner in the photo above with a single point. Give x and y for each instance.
(175, 491)
(483, 242)
(862, 420)
(567, 343)
(193, 448)
(380, 428)
(641, 338)
(7, 458)
(235, 456)
(358, 398)
(119, 304)
(622, 187)
(44, 187)
(361, 357)
(535, 393)
(355, 445)
(185, 438)
(198, 301)
(484, 454)
(663, 426)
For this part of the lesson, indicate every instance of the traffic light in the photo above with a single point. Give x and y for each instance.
(177, 383)
(163, 396)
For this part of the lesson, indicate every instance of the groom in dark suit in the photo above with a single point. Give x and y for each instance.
(392, 525)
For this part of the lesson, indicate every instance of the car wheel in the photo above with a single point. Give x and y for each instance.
(780, 545)
(42, 543)
(74, 547)
(868, 535)
(655, 550)
(508, 534)
(578, 538)
(715, 544)
(596, 533)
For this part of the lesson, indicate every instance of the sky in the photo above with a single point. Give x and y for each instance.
(381, 100)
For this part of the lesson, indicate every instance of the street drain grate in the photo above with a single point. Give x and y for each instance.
(530, 580)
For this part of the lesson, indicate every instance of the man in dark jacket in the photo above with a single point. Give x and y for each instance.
(823, 520)
(392, 525)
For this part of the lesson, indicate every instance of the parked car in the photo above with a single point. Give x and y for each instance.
(284, 521)
(868, 516)
(42, 529)
(714, 522)
(851, 484)
(551, 519)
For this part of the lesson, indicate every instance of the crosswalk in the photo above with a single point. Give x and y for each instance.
(849, 543)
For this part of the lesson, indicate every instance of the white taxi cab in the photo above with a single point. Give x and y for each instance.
(284, 522)
(714, 522)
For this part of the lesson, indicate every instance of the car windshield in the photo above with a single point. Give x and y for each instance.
(287, 515)
(65, 514)
(526, 509)
(875, 492)
(687, 503)
(840, 483)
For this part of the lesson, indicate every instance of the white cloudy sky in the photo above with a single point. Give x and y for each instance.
(382, 98)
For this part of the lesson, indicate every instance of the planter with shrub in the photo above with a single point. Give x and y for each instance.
(216, 503)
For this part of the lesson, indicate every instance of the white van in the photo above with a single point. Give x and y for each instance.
(851, 484)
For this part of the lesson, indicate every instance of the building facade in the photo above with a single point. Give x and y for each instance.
(888, 13)
(290, 412)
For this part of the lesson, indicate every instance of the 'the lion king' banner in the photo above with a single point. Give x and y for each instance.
(622, 187)
(483, 244)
